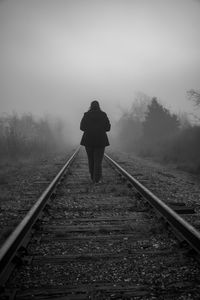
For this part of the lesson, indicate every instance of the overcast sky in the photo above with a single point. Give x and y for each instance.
(59, 55)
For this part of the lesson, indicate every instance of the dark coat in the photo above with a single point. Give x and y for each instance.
(95, 123)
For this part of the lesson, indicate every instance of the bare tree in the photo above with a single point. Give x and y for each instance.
(194, 95)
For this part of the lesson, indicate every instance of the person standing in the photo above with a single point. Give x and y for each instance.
(95, 123)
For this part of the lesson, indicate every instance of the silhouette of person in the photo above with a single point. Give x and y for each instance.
(95, 123)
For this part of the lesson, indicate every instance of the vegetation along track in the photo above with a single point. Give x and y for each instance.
(100, 242)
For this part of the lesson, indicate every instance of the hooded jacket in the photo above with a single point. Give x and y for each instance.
(95, 123)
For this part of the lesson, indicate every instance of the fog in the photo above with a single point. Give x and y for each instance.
(59, 55)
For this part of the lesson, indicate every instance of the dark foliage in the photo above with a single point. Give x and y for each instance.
(162, 136)
(184, 149)
(159, 122)
(158, 127)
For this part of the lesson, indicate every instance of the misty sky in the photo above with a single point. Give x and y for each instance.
(57, 56)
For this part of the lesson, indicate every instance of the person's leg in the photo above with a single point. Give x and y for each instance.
(90, 155)
(98, 157)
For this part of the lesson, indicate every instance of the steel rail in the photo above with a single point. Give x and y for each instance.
(185, 230)
(17, 237)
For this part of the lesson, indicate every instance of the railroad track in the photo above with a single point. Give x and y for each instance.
(85, 241)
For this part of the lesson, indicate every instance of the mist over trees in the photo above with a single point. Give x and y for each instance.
(23, 136)
(129, 128)
(194, 96)
(157, 133)
(159, 127)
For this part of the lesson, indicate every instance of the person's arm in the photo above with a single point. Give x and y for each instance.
(107, 123)
(83, 123)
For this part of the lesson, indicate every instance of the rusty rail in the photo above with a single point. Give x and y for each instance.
(9, 249)
(185, 230)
